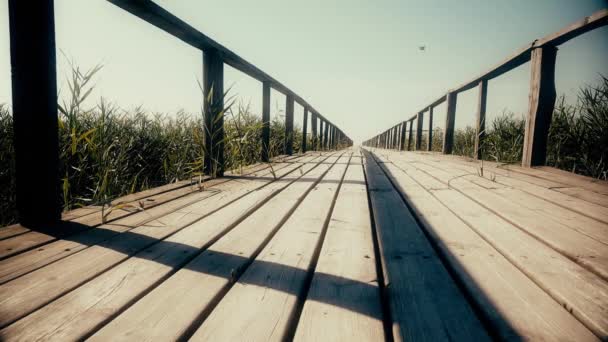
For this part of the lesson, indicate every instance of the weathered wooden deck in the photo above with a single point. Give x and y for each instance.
(348, 245)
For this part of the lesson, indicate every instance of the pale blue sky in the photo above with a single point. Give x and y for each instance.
(356, 61)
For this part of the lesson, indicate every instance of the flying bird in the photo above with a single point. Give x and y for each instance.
(422, 47)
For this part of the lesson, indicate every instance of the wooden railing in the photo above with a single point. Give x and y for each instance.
(542, 54)
(34, 87)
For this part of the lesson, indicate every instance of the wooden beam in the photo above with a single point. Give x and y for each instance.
(304, 129)
(35, 123)
(402, 127)
(595, 20)
(321, 124)
(540, 107)
(313, 126)
(409, 138)
(395, 137)
(480, 131)
(289, 104)
(429, 144)
(213, 81)
(326, 136)
(450, 116)
(155, 15)
(265, 121)
(419, 122)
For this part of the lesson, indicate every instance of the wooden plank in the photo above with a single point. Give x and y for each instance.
(450, 118)
(480, 122)
(598, 186)
(566, 202)
(21, 296)
(343, 303)
(505, 187)
(12, 230)
(43, 235)
(31, 260)
(425, 303)
(580, 248)
(266, 295)
(82, 310)
(34, 107)
(589, 196)
(173, 309)
(515, 307)
(540, 106)
(575, 186)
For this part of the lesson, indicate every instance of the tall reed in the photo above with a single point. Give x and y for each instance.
(107, 151)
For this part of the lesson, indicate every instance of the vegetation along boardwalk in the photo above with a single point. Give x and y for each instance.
(322, 242)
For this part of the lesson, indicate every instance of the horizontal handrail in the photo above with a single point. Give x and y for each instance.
(542, 54)
(34, 77)
(154, 14)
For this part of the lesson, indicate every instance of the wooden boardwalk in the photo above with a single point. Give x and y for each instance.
(348, 245)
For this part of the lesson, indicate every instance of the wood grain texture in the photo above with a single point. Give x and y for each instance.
(343, 303)
(425, 303)
(30, 291)
(581, 248)
(170, 310)
(540, 106)
(54, 248)
(450, 118)
(266, 295)
(582, 293)
(82, 310)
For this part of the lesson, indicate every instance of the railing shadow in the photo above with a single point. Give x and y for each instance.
(490, 316)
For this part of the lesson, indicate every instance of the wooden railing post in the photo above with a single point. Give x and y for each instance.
(387, 138)
(419, 122)
(540, 107)
(213, 81)
(335, 138)
(326, 135)
(402, 127)
(304, 130)
(429, 145)
(35, 124)
(450, 116)
(480, 131)
(265, 121)
(321, 126)
(409, 138)
(313, 126)
(395, 137)
(289, 104)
